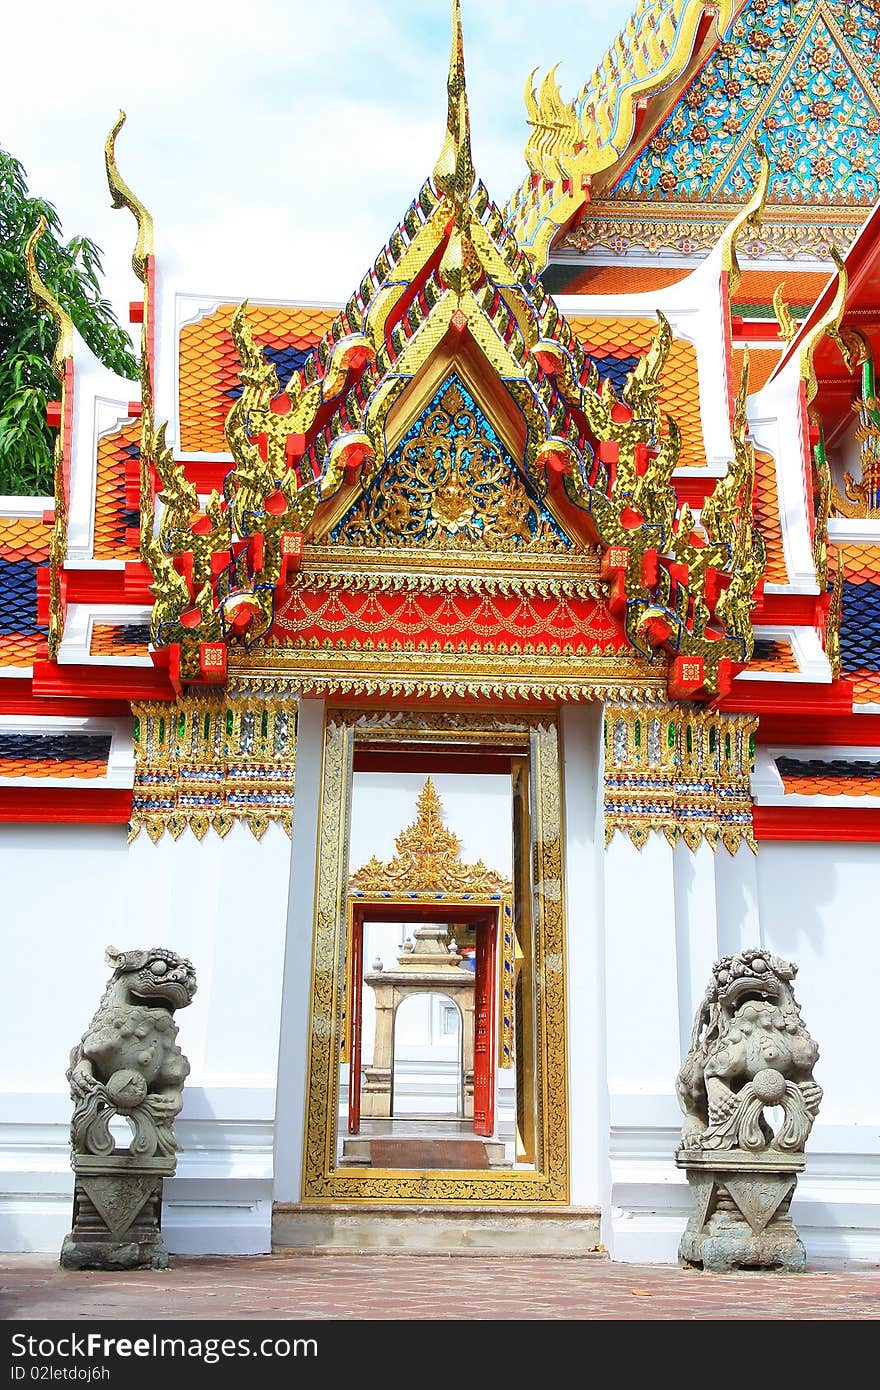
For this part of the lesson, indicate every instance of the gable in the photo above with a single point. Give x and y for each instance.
(805, 79)
(451, 484)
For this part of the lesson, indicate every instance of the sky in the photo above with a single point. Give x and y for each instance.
(276, 144)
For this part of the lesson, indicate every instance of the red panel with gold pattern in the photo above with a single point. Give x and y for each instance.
(495, 622)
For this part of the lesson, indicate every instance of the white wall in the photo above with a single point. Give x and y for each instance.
(810, 903)
(69, 891)
(643, 929)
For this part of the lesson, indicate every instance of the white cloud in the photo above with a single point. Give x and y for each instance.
(277, 144)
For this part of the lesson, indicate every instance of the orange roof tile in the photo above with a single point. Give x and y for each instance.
(24, 548)
(209, 364)
(119, 639)
(802, 287)
(620, 279)
(861, 563)
(24, 538)
(868, 785)
(679, 394)
(866, 687)
(767, 517)
(52, 767)
(112, 518)
(761, 364)
(772, 654)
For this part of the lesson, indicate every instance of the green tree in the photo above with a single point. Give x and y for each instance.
(72, 271)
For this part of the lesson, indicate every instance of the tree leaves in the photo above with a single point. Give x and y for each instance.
(73, 272)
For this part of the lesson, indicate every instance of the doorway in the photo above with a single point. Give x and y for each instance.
(428, 1065)
(439, 870)
(432, 970)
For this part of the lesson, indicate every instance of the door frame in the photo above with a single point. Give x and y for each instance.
(535, 735)
(488, 924)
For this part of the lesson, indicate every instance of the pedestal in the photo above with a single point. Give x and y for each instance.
(740, 1214)
(117, 1213)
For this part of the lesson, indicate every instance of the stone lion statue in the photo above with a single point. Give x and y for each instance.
(128, 1062)
(749, 1050)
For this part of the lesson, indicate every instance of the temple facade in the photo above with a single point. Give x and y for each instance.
(454, 675)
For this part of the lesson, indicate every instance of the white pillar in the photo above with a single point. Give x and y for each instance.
(696, 929)
(296, 986)
(581, 727)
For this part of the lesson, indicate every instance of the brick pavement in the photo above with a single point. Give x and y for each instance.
(427, 1286)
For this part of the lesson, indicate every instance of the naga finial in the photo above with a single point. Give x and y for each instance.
(454, 174)
(42, 299)
(787, 324)
(749, 217)
(123, 197)
(829, 323)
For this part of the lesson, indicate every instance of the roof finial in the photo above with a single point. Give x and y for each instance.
(454, 170)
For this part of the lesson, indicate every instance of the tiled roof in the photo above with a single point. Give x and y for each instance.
(761, 364)
(767, 517)
(564, 278)
(627, 339)
(112, 517)
(54, 755)
(772, 655)
(24, 548)
(831, 777)
(119, 639)
(209, 367)
(860, 621)
(802, 287)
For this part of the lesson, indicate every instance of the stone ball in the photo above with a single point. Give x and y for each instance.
(769, 1086)
(126, 1089)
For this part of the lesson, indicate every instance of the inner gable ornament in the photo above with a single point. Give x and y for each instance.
(451, 485)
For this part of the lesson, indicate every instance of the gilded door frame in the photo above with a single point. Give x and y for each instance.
(547, 1183)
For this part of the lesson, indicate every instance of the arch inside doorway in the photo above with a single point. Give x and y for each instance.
(428, 1059)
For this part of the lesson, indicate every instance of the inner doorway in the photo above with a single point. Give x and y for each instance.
(430, 965)
(428, 1079)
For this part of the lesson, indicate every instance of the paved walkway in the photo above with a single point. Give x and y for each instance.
(426, 1286)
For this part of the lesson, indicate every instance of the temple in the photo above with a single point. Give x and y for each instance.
(455, 674)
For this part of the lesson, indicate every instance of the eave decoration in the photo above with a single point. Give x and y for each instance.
(572, 144)
(453, 278)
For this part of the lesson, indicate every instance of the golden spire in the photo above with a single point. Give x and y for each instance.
(42, 298)
(123, 197)
(454, 171)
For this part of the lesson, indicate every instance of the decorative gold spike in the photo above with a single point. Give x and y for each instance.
(830, 324)
(123, 197)
(787, 325)
(454, 171)
(749, 217)
(42, 298)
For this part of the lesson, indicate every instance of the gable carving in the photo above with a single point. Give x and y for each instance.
(451, 485)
